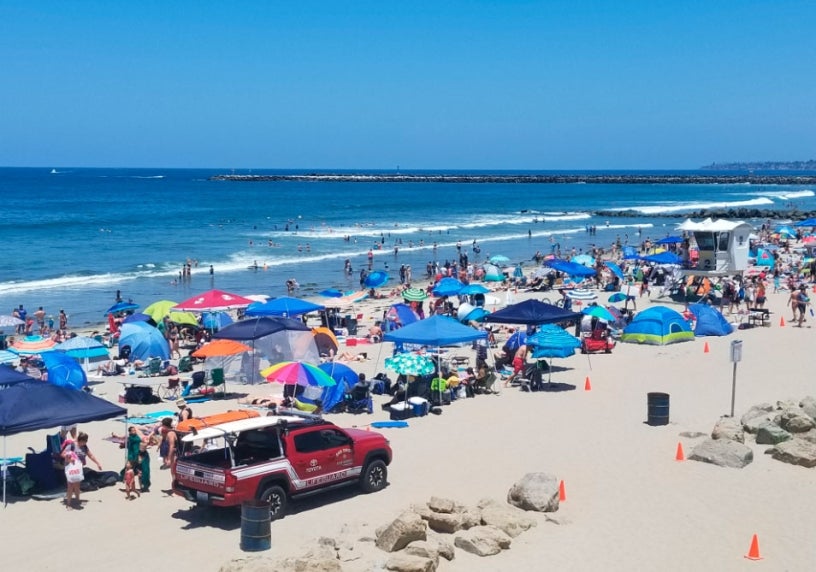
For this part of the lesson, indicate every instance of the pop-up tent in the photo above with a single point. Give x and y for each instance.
(10, 376)
(658, 325)
(272, 339)
(144, 340)
(709, 322)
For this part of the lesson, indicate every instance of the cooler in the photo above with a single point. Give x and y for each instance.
(419, 405)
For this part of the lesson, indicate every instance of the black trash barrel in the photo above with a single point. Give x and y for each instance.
(256, 533)
(658, 408)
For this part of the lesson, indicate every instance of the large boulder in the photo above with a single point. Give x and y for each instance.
(513, 521)
(443, 545)
(723, 453)
(402, 531)
(771, 434)
(424, 548)
(810, 436)
(438, 504)
(482, 540)
(796, 452)
(444, 522)
(808, 405)
(535, 491)
(402, 562)
(728, 428)
(756, 416)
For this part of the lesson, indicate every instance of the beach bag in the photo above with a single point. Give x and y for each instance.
(164, 448)
(73, 471)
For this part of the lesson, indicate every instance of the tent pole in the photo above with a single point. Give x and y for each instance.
(4, 472)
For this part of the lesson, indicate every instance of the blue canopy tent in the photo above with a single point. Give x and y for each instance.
(571, 268)
(436, 331)
(10, 376)
(345, 378)
(709, 322)
(283, 306)
(144, 340)
(532, 312)
(663, 258)
(34, 405)
(64, 371)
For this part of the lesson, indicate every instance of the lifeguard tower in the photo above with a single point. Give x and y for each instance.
(722, 246)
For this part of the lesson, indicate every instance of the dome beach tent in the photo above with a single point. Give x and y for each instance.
(658, 325)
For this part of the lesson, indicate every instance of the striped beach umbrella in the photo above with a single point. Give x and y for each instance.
(582, 294)
(414, 294)
(32, 345)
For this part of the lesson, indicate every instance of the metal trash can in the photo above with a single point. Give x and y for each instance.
(658, 409)
(256, 533)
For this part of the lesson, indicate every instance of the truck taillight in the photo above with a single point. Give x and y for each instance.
(230, 482)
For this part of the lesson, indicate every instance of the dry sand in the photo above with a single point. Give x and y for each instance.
(630, 505)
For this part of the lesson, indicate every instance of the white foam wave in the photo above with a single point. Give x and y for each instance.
(657, 209)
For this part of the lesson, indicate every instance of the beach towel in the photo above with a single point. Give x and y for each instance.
(388, 424)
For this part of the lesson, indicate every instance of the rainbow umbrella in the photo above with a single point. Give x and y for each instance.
(297, 373)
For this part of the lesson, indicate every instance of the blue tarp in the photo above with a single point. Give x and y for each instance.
(709, 322)
(532, 312)
(144, 340)
(283, 306)
(34, 405)
(570, 268)
(435, 331)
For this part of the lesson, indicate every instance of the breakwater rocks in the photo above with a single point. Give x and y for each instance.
(603, 179)
(734, 214)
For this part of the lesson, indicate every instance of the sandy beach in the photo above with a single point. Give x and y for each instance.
(630, 505)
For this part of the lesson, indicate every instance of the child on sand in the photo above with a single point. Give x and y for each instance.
(130, 481)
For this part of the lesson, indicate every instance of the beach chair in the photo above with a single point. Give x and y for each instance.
(154, 366)
(185, 364)
(217, 381)
(358, 400)
(170, 391)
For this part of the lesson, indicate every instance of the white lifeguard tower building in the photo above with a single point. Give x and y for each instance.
(722, 246)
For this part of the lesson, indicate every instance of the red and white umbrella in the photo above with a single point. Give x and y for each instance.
(213, 301)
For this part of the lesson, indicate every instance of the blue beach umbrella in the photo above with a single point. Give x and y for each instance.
(499, 259)
(551, 341)
(137, 317)
(376, 279)
(617, 297)
(599, 312)
(216, 320)
(447, 287)
(64, 371)
(121, 307)
(473, 289)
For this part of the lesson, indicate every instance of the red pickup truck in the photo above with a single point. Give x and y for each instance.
(278, 457)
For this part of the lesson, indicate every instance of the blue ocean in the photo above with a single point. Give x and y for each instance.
(75, 236)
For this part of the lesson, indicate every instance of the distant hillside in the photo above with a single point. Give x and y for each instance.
(809, 165)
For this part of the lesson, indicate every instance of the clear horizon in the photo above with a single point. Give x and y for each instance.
(457, 85)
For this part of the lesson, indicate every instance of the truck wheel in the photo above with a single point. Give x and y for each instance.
(276, 497)
(374, 477)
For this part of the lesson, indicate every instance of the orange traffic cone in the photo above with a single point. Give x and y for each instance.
(587, 385)
(781, 322)
(705, 348)
(562, 492)
(753, 552)
(679, 456)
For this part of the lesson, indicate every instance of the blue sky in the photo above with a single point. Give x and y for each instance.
(424, 85)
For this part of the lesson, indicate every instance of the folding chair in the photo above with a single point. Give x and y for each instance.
(185, 364)
(170, 391)
(217, 380)
(154, 366)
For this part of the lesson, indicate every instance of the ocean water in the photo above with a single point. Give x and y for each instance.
(73, 237)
